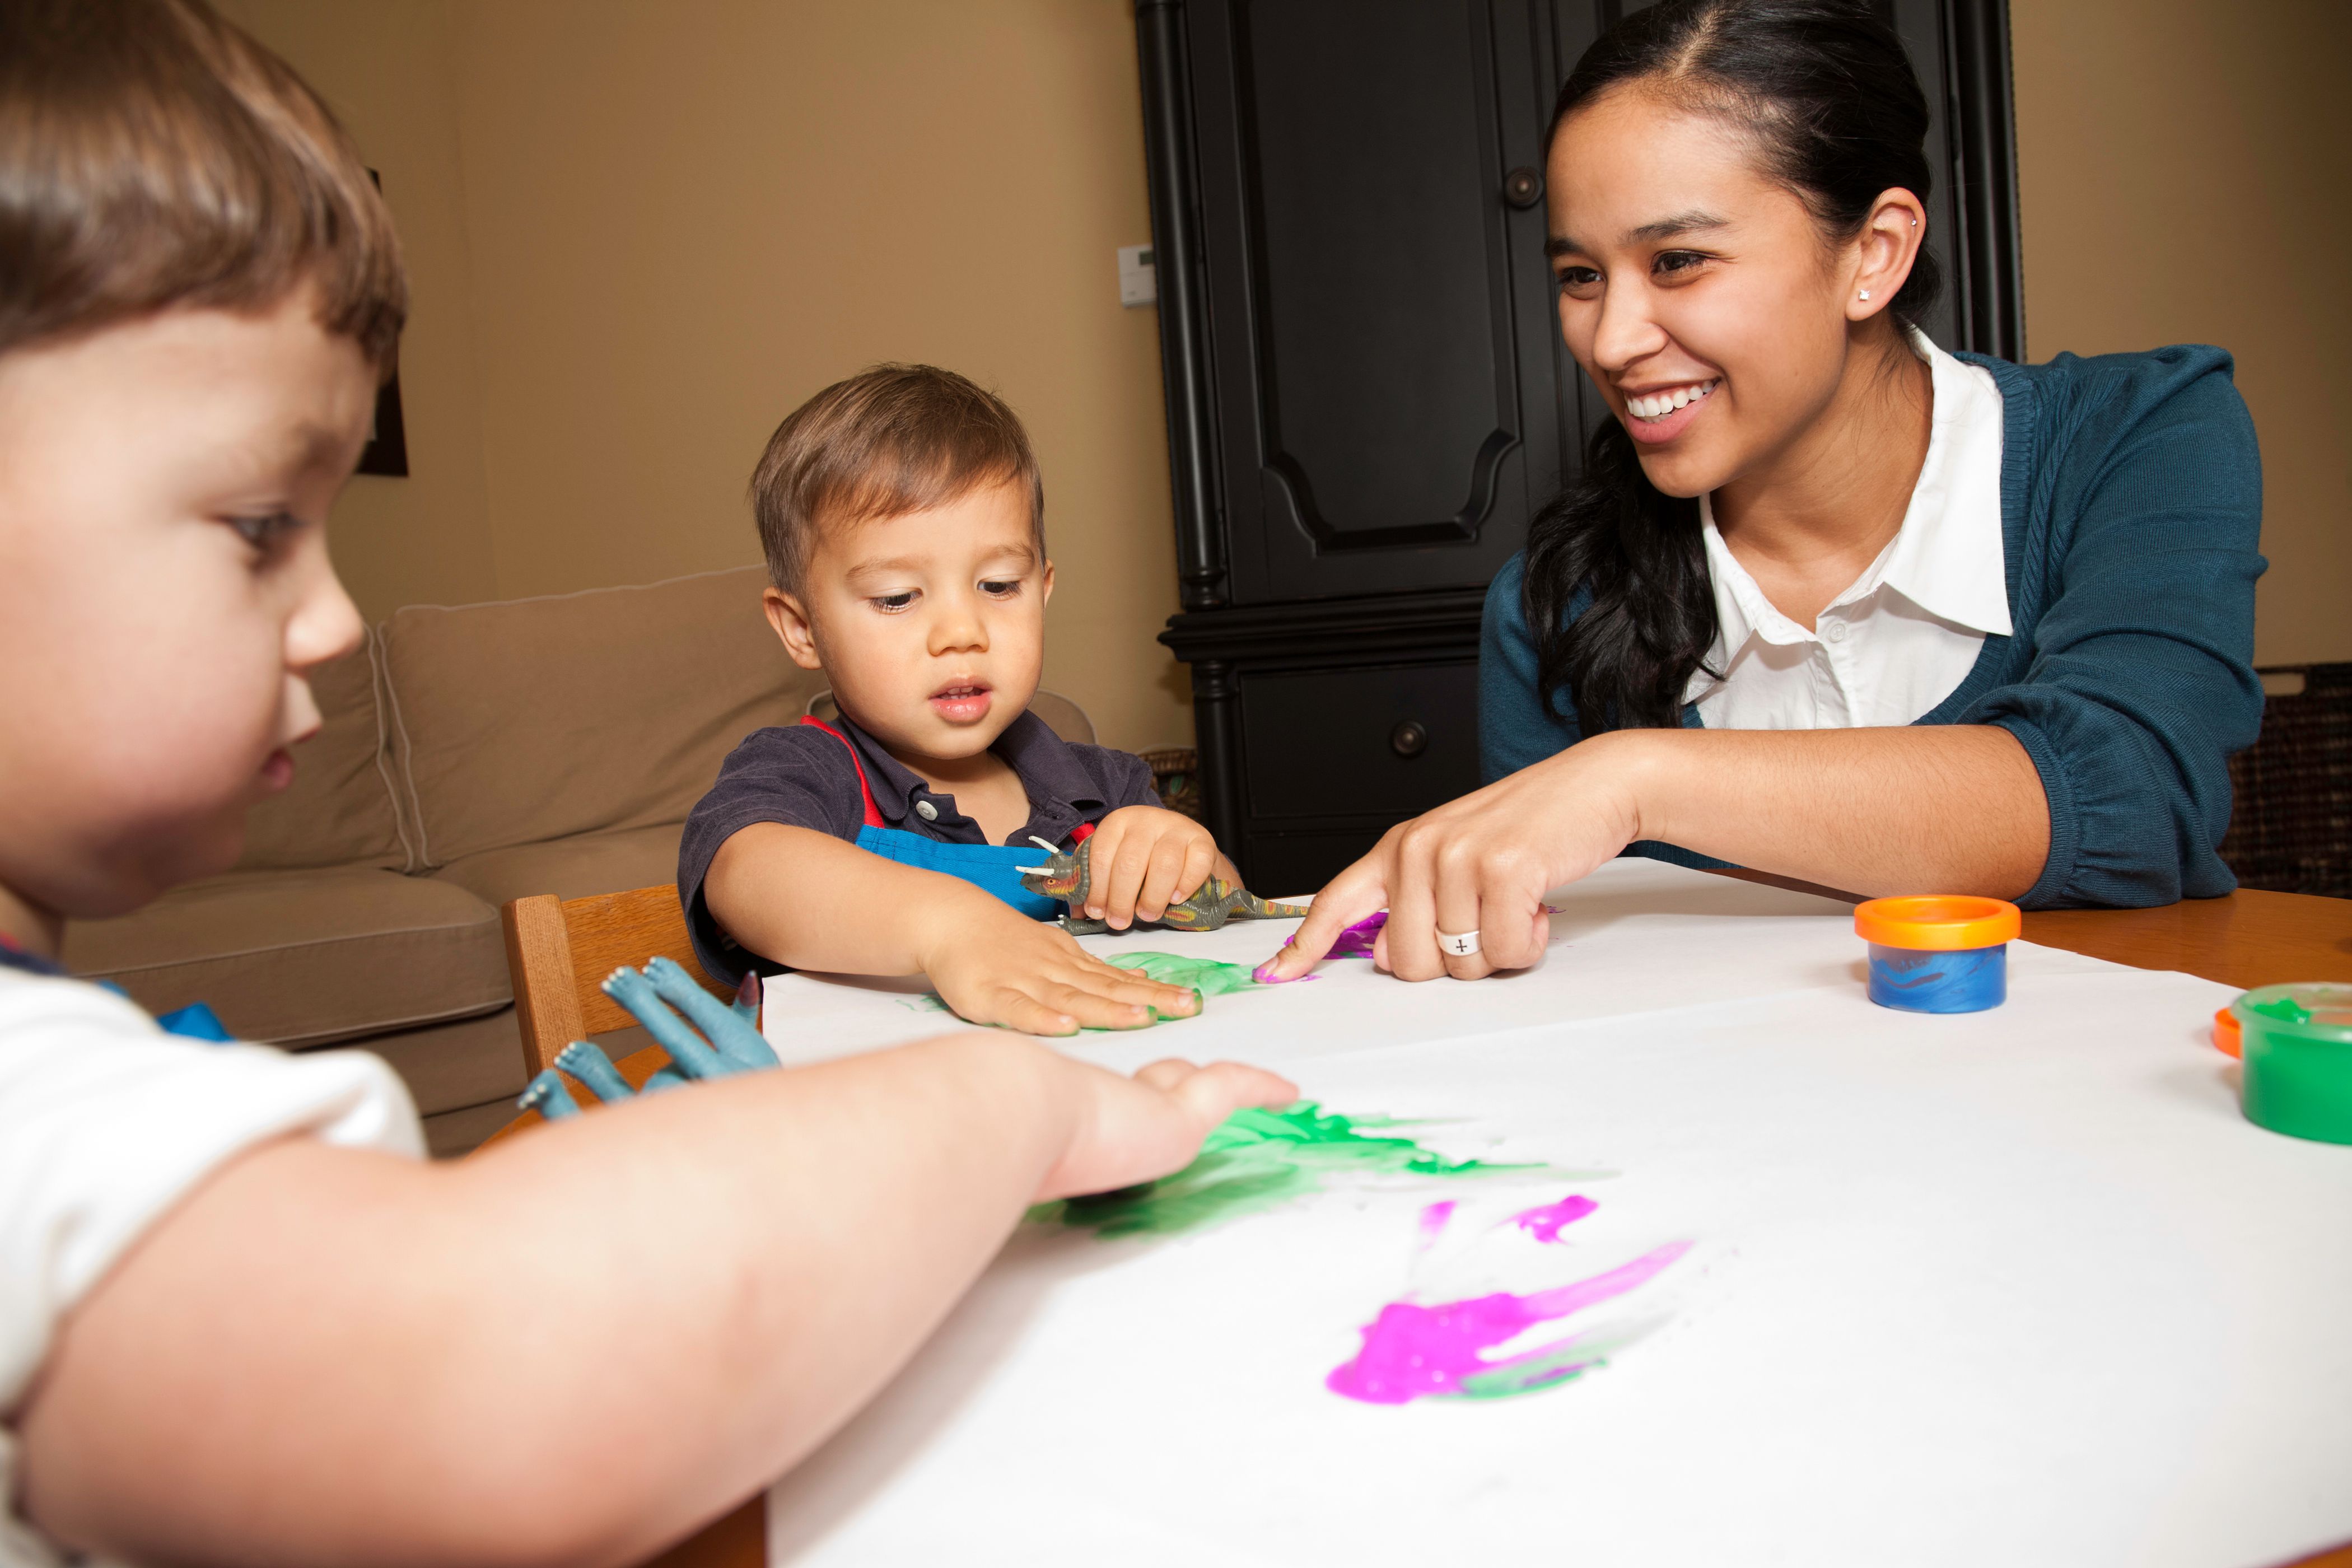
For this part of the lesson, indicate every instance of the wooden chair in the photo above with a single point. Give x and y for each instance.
(559, 952)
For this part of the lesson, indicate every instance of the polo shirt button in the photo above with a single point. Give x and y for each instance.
(927, 811)
(1834, 631)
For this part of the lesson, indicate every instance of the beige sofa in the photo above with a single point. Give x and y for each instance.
(470, 756)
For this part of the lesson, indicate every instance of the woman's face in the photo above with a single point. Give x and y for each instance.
(1702, 299)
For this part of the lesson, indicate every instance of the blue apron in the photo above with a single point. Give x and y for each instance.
(992, 867)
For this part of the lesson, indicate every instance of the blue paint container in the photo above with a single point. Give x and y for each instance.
(1939, 954)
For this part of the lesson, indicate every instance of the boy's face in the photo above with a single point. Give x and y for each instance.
(163, 587)
(930, 624)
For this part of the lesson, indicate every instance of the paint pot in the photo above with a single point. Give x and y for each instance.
(2226, 1039)
(2298, 1048)
(1939, 954)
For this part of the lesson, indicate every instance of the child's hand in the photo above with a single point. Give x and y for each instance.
(994, 966)
(1144, 858)
(1133, 1130)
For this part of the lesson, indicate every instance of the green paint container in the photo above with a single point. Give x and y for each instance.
(2298, 1058)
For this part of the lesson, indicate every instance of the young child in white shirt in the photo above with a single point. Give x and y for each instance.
(240, 1320)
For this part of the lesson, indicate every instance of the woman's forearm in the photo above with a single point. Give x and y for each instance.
(1941, 808)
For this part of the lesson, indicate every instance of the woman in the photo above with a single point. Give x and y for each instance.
(1829, 601)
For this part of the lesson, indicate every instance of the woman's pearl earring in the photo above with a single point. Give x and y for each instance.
(1866, 293)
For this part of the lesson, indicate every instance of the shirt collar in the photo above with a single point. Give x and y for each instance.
(1061, 793)
(1949, 557)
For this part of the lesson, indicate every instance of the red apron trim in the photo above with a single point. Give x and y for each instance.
(872, 812)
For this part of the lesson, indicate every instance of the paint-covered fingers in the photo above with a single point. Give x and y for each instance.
(1135, 985)
(1125, 1131)
(1214, 1092)
(1359, 890)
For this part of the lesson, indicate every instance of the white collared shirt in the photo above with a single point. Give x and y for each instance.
(1904, 635)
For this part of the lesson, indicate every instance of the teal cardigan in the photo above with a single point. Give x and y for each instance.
(2131, 496)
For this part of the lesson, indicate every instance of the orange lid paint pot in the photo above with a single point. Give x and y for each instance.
(2226, 1037)
(1939, 953)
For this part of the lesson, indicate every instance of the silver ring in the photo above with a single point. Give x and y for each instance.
(1462, 946)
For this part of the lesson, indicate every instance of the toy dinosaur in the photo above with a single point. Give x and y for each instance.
(729, 1042)
(1066, 877)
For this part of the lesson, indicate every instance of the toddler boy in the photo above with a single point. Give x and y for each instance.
(239, 1320)
(903, 520)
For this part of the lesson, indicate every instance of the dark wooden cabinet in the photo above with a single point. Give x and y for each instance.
(1367, 391)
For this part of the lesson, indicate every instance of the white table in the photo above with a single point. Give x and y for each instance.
(2017, 1287)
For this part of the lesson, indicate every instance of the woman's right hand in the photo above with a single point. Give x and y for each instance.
(1131, 1130)
(1481, 864)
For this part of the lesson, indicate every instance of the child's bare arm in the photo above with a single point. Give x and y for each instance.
(577, 1346)
(806, 898)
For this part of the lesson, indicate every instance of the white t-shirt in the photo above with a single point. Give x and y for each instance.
(1904, 635)
(105, 1122)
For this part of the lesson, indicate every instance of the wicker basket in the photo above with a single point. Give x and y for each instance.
(2290, 831)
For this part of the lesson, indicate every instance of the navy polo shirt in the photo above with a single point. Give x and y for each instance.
(802, 777)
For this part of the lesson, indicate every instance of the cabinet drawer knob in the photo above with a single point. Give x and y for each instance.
(1523, 189)
(1409, 739)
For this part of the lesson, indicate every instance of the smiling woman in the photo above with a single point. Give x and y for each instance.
(1830, 602)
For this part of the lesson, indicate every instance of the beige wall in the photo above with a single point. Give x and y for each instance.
(388, 69)
(642, 232)
(2187, 176)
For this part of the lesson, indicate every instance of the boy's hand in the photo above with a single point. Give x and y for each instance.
(1132, 1130)
(994, 966)
(1144, 858)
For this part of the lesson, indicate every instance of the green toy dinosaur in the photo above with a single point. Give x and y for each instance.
(1066, 877)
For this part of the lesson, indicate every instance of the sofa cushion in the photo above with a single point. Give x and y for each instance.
(540, 718)
(449, 1067)
(340, 809)
(306, 957)
(576, 868)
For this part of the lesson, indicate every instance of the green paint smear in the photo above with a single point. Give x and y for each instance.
(1565, 1363)
(1259, 1160)
(2285, 1009)
(1206, 975)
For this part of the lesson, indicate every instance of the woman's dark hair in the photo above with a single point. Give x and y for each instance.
(1824, 90)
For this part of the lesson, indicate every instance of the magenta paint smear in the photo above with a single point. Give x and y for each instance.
(1411, 1352)
(1356, 940)
(1545, 1223)
(1432, 1222)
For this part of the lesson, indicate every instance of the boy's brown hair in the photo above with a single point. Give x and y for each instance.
(151, 155)
(892, 439)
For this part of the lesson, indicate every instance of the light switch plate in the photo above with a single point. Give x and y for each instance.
(1139, 281)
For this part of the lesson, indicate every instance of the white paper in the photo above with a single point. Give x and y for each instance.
(2019, 1287)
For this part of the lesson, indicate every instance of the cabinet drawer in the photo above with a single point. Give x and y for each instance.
(1361, 742)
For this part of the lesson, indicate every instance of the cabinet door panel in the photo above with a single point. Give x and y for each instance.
(1385, 744)
(1392, 397)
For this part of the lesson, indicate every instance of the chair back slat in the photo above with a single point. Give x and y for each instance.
(559, 951)
(615, 928)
